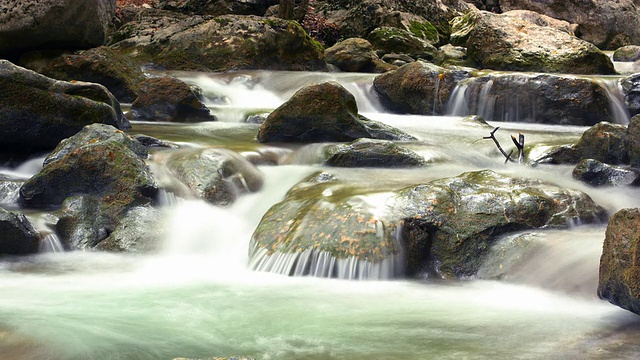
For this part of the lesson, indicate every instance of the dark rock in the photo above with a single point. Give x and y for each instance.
(607, 24)
(36, 112)
(372, 153)
(353, 54)
(216, 175)
(37, 24)
(619, 280)
(525, 41)
(229, 42)
(99, 65)
(631, 91)
(320, 113)
(168, 99)
(418, 88)
(604, 142)
(151, 142)
(17, 235)
(219, 7)
(386, 40)
(84, 222)
(596, 173)
(627, 53)
(632, 140)
(140, 231)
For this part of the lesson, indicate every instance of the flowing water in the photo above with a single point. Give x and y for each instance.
(533, 299)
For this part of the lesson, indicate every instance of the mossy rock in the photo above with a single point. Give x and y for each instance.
(372, 153)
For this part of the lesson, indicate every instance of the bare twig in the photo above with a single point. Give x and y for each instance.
(519, 145)
(492, 137)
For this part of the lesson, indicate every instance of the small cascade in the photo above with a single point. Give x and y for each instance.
(614, 91)
(457, 105)
(51, 243)
(167, 198)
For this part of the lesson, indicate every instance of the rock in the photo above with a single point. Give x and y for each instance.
(461, 27)
(151, 142)
(397, 59)
(453, 55)
(103, 167)
(619, 268)
(230, 42)
(388, 40)
(9, 190)
(372, 153)
(353, 54)
(219, 7)
(627, 53)
(320, 113)
(416, 25)
(168, 99)
(219, 358)
(604, 142)
(99, 65)
(84, 221)
(596, 173)
(18, 237)
(632, 141)
(36, 112)
(540, 98)
(418, 88)
(524, 41)
(37, 24)
(216, 175)
(140, 231)
(631, 91)
(606, 24)
(451, 223)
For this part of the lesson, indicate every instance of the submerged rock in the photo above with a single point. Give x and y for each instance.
(596, 173)
(217, 175)
(99, 65)
(320, 113)
(18, 237)
(372, 153)
(36, 24)
(443, 228)
(619, 280)
(36, 112)
(168, 99)
(419, 87)
(511, 41)
(230, 42)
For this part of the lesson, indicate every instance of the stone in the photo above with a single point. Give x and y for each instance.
(17, 235)
(627, 53)
(217, 8)
(631, 91)
(596, 173)
(353, 54)
(388, 40)
(320, 113)
(372, 153)
(632, 141)
(604, 142)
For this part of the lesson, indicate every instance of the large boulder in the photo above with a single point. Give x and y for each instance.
(372, 153)
(17, 235)
(37, 24)
(619, 281)
(604, 142)
(525, 41)
(104, 167)
(607, 24)
(99, 65)
(443, 228)
(538, 98)
(229, 42)
(36, 112)
(419, 87)
(353, 54)
(168, 99)
(320, 113)
(218, 176)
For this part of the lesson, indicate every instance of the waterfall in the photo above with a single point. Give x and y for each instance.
(613, 88)
(51, 243)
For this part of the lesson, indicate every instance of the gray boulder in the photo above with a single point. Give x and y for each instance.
(631, 91)
(37, 24)
(353, 54)
(321, 113)
(372, 153)
(619, 279)
(604, 23)
(511, 41)
(17, 235)
(36, 112)
(597, 173)
(168, 99)
(140, 231)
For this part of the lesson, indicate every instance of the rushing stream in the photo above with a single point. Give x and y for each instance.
(197, 298)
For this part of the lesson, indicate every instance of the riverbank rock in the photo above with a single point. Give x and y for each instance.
(18, 235)
(36, 112)
(372, 153)
(217, 175)
(419, 88)
(451, 223)
(168, 99)
(513, 41)
(443, 228)
(216, 8)
(536, 98)
(231, 42)
(619, 280)
(596, 173)
(320, 113)
(37, 24)
(101, 65)
(606, 24)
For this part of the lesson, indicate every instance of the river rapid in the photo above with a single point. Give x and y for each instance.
(196, 297)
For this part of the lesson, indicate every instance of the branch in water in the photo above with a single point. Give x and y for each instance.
(519, 145)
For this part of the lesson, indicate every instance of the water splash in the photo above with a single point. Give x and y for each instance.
(51, 243)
